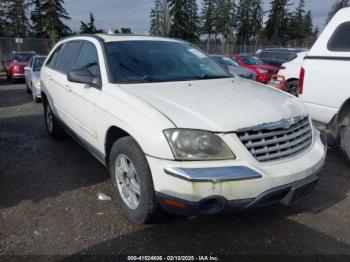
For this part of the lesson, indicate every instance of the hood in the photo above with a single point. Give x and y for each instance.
(240, 70)
(221, 105)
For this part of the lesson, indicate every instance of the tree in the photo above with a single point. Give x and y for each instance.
(277, 23)
(54, 15)
(36, 17)
(249, 20)
(308, 24)
(125, 30)
(89, 27)
(297, 24)
(15, 20)
(316, 32)
(208, 17)
(224, 17)
(184, 19)
(157, 22)
(339, 4)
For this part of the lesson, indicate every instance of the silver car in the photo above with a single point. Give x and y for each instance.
(32, 76)
(234, 68)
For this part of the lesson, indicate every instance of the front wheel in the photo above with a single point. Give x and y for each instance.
(133, 182)
(345, 141)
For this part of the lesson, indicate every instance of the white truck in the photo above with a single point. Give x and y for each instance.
(324, 84)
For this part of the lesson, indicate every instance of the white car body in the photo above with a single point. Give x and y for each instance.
(326, 90)
(221, 106)
(292, 68)
(32, 78)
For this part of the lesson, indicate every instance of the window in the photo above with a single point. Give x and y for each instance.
(67, 57)
(160, 61)
(88, 59)
(340, 41)
(37, 63)
(252, 60)
(266, 55)
(53, 58)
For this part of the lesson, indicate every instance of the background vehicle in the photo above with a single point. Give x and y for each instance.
(263, 72)
(278, 56)
(291, 71)
(32, 76)
(175, 129)
(16, 63)
(234, 68)
(324, 80)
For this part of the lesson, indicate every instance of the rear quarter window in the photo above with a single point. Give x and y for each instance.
(340, 40)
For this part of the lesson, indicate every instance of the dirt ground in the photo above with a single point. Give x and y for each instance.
(49, 205)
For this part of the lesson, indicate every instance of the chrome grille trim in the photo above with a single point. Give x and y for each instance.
(278, 140)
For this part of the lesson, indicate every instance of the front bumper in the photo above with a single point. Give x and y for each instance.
(241, 182)
(287, 194)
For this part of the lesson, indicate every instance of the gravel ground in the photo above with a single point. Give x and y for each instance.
(49, 205)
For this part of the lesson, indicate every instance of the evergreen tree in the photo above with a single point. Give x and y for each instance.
(36, 17)
(156, 19)
(277, 23)
(208, 17)
(54, 15)
(316, 32)
(250, 18)
(225, 19)
(89, 27)
(15, 17)
(125, 30)
(183, 14)
(2, 19)
(297, 25)
(339, 4)
(308, 24)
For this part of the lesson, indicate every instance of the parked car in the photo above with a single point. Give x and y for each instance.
(278, 56)
(15, 65)
(176, 130)
(234, 68)
(263, 72)
(32, 76)
(291, 71)
(324, 83)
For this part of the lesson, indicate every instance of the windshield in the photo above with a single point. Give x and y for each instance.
(38, 63)
(252, 60)
(21, 57)
(159, 61)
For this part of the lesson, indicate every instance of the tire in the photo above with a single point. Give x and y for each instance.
(147, 209)
(52, 126)
(345, 141)
(293, 87)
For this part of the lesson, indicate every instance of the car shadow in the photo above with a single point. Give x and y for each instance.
(253, 233)
(11, 95)
(34, 167)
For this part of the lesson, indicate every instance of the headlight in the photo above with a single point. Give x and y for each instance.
(262, 71)
(37, 81)
(188, 144)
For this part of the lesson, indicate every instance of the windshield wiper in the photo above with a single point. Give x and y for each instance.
(144, 79)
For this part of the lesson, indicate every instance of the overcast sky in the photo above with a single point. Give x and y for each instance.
(112, 14)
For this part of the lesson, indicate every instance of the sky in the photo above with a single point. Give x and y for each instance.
(112, 14)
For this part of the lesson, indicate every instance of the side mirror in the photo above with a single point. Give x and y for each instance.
(84, 76)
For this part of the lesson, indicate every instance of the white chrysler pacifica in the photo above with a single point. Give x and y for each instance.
(175, 130)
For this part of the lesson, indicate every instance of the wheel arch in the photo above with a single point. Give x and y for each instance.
(343, 116)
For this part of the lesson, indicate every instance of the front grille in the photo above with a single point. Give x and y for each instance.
(275, 141)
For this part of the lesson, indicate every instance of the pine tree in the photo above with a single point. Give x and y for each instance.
(2, 19)
(208, 17)
(89, 27)
(339, 4)
(250, 18)
(297, 24)
(15, 17)
(125, 30)
(54, 14)
(183, 14)
(36, 17)
(277, 24)
(156, 19)
(225, 19)
(308, 24)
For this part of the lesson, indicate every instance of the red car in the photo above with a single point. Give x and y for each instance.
(15, 65)
(263, 72)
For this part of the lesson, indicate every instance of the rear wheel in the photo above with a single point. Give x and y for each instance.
(345, 141)
(52, 126)
(293, 87)
(133, 181)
